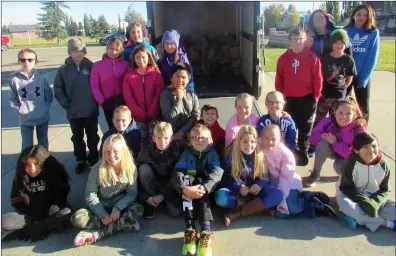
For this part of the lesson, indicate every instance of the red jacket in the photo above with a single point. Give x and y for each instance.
(218, 136)
(142, 92)
(299, 74)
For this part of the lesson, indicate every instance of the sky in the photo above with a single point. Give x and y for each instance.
(109, 9)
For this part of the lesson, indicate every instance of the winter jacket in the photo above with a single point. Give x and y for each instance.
(142, 92)
(282, 169)
(344, 135)
(181, 114)
(299, 74)
(50, 187)
(232, 128)
(129, 49)
(286, 125)
(365, 46)
(366, 184)
(101, 200)
(204, 165)
(31, 98)
(106, 81)
(72, 89)
(132, 136)
(166, 63)
(218, 137)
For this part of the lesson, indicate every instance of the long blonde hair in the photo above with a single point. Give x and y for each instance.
(107, 174)
(237, 162)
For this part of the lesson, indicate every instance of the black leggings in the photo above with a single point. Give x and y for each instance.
(362, 97)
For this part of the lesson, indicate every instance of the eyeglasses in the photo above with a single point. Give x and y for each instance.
(274, 102)
(199, 138)
(24, 60)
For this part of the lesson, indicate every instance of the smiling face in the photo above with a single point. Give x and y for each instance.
(297, 43)
(368, 152)
(243, 108)
(274, 103)
(248, 144)
(33, 167)
(113, 51)
(360, 17)
(113, 154)
(121, 121)
(180, 79)
(27, 60)
(136, 34)
(344, 115)
(170, 46)
(141, 59)
(338, 46)
(162, 140)
(77, 56)
(199, 140)
(319, 20)
(209, 117)
(270, 139)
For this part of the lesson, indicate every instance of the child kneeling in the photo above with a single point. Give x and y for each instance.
(110, 195)
(196, 176)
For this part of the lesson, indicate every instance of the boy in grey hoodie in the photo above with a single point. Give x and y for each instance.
(73, 92)
(31, 96)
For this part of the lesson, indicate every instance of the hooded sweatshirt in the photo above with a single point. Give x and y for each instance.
(73, 91)
(106, 81)
(50, 187)
(132, 136)
(365, 46)
(181, 114)
(142, 92)
(299, 74)
(129, 49)
(366, 184)
(31, 98)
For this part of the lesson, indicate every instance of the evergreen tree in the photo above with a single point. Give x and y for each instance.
(87, 25)
(53, 21)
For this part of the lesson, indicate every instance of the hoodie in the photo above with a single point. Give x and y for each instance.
(199, 164)
(299, 74)
(31, 98)
(366, 184)
(132, 136)
(73, 91)
(181, 114)
(50, 187)
(365, 46)
(218, 136)
(129, 49)
(344, 135)
(166, 63)
(106, 81)
(142, 92)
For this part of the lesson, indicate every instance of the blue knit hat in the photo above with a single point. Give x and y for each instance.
(171, 35)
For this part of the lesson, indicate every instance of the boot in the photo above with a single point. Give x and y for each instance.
(253, 207)
(232, 215)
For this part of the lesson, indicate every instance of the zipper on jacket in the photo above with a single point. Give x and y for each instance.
(115, 89)
(145, 102)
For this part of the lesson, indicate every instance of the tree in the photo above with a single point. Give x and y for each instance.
(348, 7)
(68, 24)
(4, 29)
(52, 22)
(74, 29)
(291, 8)
(271, 14)
(322, 6)
(87, 25)
(80, 29)
(119, 22)
(103, 25)
(132, 16)
(95, 29)
(333, 7)
(293, 18)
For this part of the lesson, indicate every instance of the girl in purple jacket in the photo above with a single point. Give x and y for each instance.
(333, 136)
(172, 54)
(106, 79)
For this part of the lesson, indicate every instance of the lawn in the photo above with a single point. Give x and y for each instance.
(386, 61)
(41, 42)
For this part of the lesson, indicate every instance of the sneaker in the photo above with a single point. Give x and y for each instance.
(322, 209)
(149, 211)
(135, 226)
(190, 242)
(323, 197)
(311, 151)
(204, 244)
(350, 222)
(311, 180)
(80, 166)
(86, 237)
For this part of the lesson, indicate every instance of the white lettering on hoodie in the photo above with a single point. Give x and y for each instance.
(295, 64)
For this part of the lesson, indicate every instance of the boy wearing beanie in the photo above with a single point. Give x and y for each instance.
(338, 70)
(73, 92)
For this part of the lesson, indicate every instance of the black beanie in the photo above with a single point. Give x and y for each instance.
(339, 34)
(362, 139)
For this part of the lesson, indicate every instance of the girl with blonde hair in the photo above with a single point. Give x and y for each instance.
(110, 195)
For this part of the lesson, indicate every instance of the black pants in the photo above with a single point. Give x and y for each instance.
(26, 227)
(109, 118)
(362, 97)
(90, 125)
(302, 110)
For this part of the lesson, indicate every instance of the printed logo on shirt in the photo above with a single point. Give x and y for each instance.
(357, 41)
(36, 186)
(335, 73)
(25, 92)
(295, 64)
(85, 72)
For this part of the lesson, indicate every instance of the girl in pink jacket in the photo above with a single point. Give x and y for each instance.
(106, 79)
(333, 136)
(281, 168)
(142, 87)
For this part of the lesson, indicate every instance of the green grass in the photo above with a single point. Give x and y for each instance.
(386, 61)
(41, 42)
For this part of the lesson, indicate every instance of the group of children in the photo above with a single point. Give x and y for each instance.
(162, 148)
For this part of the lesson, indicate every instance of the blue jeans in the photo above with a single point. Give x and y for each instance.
(41, 135)
(298, 204)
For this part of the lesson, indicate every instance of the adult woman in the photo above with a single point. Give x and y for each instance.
(365, 45)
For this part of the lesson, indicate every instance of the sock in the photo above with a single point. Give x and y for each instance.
(205, 226)
(390, 224)
(190, 224)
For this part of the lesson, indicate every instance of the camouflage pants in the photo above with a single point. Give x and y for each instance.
(85, 219)
(324, 107)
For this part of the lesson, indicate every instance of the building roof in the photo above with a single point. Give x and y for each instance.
(22, 28)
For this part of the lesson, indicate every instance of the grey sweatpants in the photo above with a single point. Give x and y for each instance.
(323, 151)
(352, 209)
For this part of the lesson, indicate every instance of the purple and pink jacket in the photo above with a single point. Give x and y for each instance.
(344, 134)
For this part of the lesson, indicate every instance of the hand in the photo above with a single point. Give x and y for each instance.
(244, 190)
(151, 202)
(285, 114)
(158, 199)
(330, 138)
(53, 209)
(188, 198)
(179, 93)
(106, 220)
(193, 192)
(178, 135)
(115, 214)
(254, 189)
(26, 198)
(202, 188)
